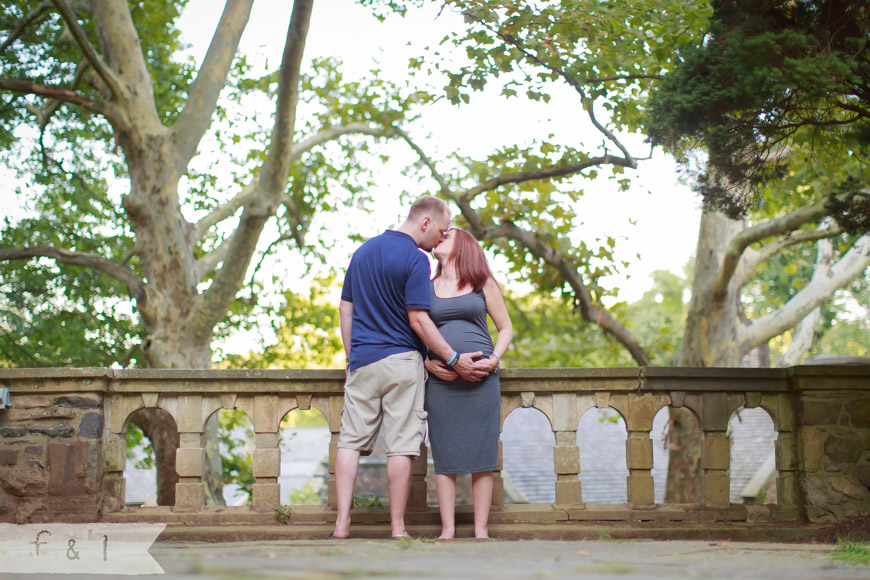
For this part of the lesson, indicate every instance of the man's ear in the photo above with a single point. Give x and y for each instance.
(425, 223)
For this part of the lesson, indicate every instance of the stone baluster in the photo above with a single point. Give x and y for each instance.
(190, 455)
(498, 480)
(336, 403)
(418, 500)
(642, 408)
(267, 455)
(716, 458)
(566, 453)
(787, 494)
(639, 460)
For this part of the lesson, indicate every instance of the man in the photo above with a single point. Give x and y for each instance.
(384, 318)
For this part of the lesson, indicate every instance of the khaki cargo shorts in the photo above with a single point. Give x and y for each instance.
(389, 391)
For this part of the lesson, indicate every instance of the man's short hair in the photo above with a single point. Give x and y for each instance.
(427, 205)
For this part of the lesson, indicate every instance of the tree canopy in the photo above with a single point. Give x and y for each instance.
(773, 74)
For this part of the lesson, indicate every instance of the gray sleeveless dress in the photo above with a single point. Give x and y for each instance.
(463, 416)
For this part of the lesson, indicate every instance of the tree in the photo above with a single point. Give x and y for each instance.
(99, 84)
(772, 71)
(777, 98)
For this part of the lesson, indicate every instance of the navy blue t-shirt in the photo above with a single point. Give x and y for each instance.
(387, 275)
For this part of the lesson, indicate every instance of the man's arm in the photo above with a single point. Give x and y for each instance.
(428, 332)
(345, 322)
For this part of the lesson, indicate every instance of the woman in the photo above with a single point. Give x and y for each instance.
(464, 416)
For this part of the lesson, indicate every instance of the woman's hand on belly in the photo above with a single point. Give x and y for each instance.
(440, 370)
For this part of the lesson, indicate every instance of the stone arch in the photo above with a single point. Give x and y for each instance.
(752, 437)
(527, 442)
(303, 443)
(526, 400)
(601, 438)
(236, 442)
(159, 480)
(660, 452)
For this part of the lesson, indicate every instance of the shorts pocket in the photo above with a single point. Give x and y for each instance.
(424, 425)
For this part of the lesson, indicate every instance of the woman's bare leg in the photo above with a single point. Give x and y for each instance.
(445, 488)
(481, 490)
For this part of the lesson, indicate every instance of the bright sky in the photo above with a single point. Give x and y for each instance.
(666, 220)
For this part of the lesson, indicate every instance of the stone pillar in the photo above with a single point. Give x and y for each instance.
(716, 462)
(639, 460)
(418, 501)
(266, 459)
(336, 404)
(190, 455)
(114, 484)
(498, 482)
(267, 468)
(566, 463)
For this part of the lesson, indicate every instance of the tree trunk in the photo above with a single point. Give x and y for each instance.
(163, 434)
(684, 458)
(165, 252)
(711, 338)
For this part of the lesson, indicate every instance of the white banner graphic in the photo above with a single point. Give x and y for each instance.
(78, 548)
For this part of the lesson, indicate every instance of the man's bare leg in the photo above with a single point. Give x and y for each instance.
(445, 488)
(399, 484)
(481, 491)
(346, 467)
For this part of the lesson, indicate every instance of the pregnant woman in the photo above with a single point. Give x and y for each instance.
(464, 416)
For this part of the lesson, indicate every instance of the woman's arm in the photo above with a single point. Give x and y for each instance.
(497, 310)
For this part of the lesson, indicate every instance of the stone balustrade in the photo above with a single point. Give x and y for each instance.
(62, 442)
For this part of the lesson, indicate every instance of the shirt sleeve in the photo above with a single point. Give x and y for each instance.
(417, 286)
(347, 287)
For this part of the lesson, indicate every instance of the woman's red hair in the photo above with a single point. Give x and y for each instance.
(469, 261)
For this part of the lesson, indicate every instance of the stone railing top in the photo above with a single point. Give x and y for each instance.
(513, 381)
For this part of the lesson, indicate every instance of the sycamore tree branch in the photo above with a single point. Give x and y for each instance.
(87, 49)
(202, 98)
(333, 133)
(622, 78)
(819, 290)
(427, 161)
(35, 16)
(552, 172)
(133, 283)
(276, 168)
(64, 95)
(752, 259)
(572, 81)
(46, 112)
(248, 193)
(252, 192)
(568, 271)
(211, 260)
(741, 241)
(214, 302)
(122, 50)
(804, 333)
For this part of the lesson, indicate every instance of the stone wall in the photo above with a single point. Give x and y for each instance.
(62, 451)
(834, 441)
(51, 446)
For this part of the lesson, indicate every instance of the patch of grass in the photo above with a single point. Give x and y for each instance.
(604, 536)
(371, 502)
(614, 568)
(852, 553)
(283, 512)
